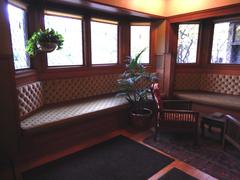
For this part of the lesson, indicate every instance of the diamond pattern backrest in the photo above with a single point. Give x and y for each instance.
(221, 83)
(61, 90)
(30, 97)
(218, 83)
(34, 95)
(187, 81)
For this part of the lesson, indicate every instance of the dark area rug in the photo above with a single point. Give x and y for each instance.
(118, 158)
(208, 156)
(176, 174)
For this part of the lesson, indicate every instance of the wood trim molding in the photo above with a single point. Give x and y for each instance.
(124, 41)
(84, 72)
(106, 8)
(209, 69)
(218, 12)
(26, 76)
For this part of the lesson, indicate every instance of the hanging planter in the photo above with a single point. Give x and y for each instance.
(46, 46)
(44, 41)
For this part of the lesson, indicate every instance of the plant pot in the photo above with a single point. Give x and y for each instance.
(46, 46)
(141, 120)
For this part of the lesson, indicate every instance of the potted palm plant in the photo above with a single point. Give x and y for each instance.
(134, 83)
(45, 41)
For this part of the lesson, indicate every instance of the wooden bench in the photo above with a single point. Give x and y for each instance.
(210, 92)
(231, 102)
(57, 114)
(63, 114)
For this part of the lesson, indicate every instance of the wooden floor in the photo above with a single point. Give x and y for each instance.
(134, 135)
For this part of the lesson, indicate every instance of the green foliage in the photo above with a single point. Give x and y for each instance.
(49, 36)
(130, 83)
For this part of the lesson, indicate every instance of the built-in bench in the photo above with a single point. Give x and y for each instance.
(230, 102)
(53, 113)
(216, 90)
(60, 115)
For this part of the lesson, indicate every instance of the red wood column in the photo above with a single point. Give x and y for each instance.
(36, 22)
(9, 126)
(124, 41)
(170, 57)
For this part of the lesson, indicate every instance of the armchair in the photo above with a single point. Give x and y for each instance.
(174, 115)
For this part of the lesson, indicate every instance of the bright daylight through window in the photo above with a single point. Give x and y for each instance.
(140, 39)
(187, 43)
(226, 43)
(104, 38)
(71, 29)
(18, 26)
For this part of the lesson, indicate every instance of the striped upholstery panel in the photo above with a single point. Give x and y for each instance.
(62, 90)
(30, 98)
(59, 113)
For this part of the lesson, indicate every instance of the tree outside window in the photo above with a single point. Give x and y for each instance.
(187, 43)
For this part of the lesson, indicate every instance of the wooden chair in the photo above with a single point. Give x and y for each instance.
(232, 132)
(174, 115)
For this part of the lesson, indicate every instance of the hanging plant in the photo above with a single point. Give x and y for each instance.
(45, 41)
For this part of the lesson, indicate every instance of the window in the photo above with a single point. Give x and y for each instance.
(226, 43)
(187, 43)
(140, 39)
(104, 39)
(71, 29)
(18, 26)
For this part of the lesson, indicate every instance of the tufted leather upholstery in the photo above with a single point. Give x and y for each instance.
(30, 98)
(218, 83)
(61, 90)
(58, 114)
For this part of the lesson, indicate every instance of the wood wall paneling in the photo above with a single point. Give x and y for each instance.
(36, 22)
(9, 125)
(218, 12)
(106, 8)
(26, 76)
(124, 41)
(86, 41)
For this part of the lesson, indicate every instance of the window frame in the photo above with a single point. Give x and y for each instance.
(197, 63)
(24, 7)
(107, 21)
(39, 64)
(221, 65)
(150, 39)
(71, 16)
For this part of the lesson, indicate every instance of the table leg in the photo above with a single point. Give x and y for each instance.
(202, 129)
(209, 128)
(222, 132)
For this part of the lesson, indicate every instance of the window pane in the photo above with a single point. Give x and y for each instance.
(18, 26)
(226, 47)
(140, 39)
(71, 29)
(104, 43)
(187, 43)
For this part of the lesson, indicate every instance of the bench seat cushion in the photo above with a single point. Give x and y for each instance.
(59, 114)
(219, 100)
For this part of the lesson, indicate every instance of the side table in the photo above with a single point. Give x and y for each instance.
(213, 120)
